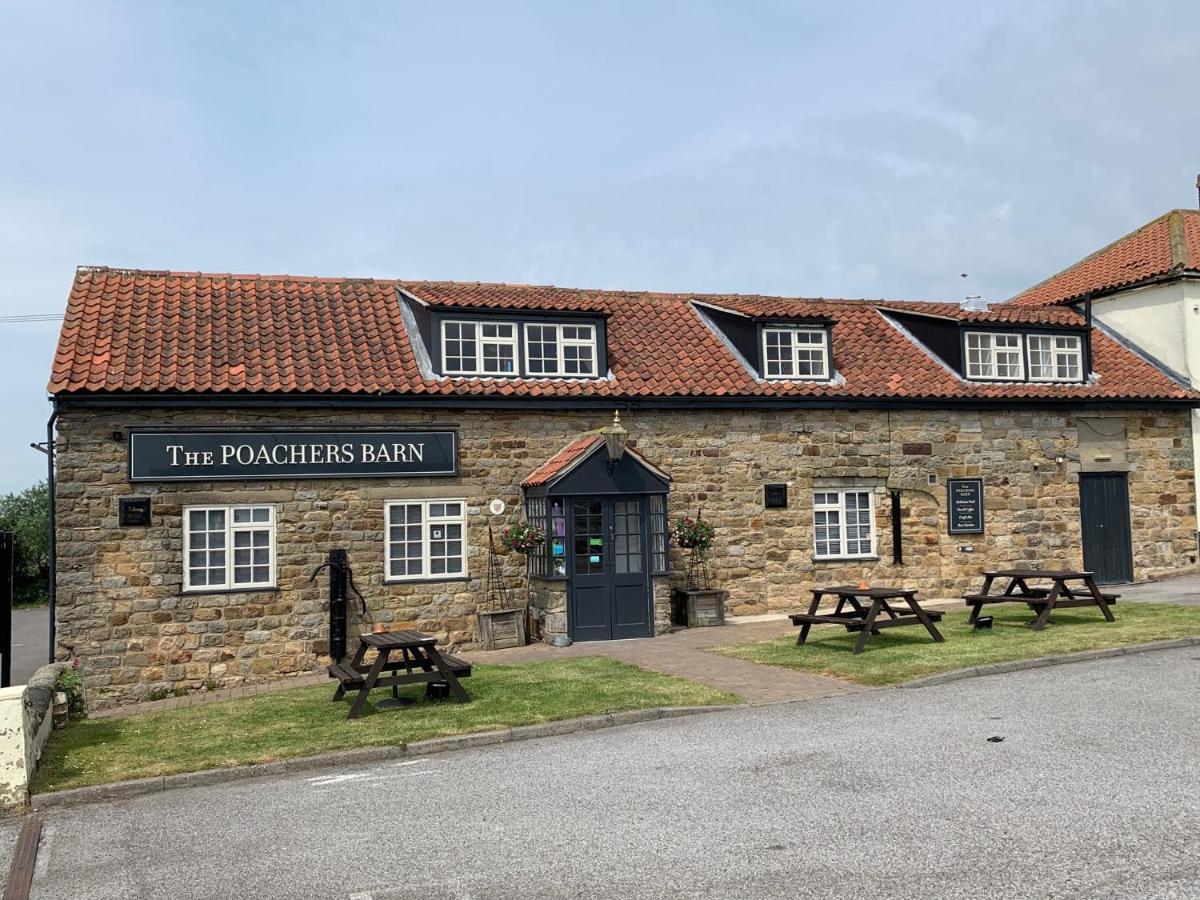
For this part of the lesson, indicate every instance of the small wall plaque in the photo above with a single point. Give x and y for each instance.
(133, 511)
(775, 496)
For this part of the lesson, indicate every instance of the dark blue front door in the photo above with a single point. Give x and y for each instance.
(609, 595)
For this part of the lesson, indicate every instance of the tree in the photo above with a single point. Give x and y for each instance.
(27, 515)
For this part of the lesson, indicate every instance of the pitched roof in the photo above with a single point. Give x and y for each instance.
(1168, 245)
(131, 331)
(564, 460)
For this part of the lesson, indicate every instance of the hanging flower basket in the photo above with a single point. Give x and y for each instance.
(522, 538)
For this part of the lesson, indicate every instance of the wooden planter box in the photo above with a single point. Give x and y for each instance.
(696, 609)
(504, 628)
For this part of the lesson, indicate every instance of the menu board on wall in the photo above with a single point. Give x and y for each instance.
(964, 505)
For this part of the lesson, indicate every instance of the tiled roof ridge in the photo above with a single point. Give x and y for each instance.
(1179, 253)
(685, 296)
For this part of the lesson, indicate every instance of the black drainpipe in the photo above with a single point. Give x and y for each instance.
(897, 531)
(1087, 318)
(53, 529)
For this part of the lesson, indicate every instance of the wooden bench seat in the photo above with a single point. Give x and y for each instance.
(355, 677)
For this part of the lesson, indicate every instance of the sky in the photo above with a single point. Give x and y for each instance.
(869, 149)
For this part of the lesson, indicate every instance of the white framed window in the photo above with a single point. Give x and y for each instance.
(479, 348)
(1055, 357)
(843, 524)
(426, 540)
(995, 356)
(801, 353)
(560, 349)
(228, 547)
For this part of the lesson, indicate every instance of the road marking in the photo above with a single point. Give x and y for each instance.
(409, 762)
(329, 780)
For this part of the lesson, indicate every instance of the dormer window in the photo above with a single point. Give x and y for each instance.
(516, 344)
(1023, 356)
(1055, 357)
(479, 348)
(992, 356)
(795, 353)
(552, 350)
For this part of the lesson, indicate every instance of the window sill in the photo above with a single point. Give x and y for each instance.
(261, 589)
(844, 559)
(426, 580)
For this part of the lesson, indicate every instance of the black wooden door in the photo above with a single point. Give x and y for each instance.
(1104, 516)
(609, 595)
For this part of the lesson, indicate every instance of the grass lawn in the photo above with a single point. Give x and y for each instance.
(902, 654)
(303, 722)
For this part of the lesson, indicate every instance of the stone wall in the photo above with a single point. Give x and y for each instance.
(121, 608)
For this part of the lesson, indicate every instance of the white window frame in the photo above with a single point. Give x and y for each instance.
(991, 374)
(426, 524)
(839, 507)
(822, 345)
(1058, 357)
(480, 342)
(561, 343)
(230, 530)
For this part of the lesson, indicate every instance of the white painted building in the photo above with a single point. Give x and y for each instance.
(1145, 291)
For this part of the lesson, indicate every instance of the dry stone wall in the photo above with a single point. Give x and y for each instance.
(121, 607)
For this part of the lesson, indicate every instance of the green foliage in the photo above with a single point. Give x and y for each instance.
(27, 515)
(70, 682)
(302, 721)
(693, 534)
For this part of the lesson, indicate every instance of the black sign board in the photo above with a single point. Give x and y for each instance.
(133, 511)
(289, 453)
(964, 505)
(775, 496)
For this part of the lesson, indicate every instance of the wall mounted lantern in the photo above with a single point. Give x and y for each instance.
(615, 438)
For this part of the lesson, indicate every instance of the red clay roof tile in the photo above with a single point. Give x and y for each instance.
(167, 332)
(1169, 244)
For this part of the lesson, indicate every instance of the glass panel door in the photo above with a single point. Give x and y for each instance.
(627, 536)
(589, 549)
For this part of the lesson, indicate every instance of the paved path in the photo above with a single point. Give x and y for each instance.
(888, 793)
(687, 653)
(1183, 589)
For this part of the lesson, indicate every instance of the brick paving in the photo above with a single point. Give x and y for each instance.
(687, 653)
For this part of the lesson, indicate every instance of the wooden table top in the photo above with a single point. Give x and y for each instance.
(398, 640)
(872, 592)
(1039, 573)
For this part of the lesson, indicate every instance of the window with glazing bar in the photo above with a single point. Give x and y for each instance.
(228, 547)
(798, 353)
(1055, 357)
(843, 524)
(560, 350)
(479, 348)
(426, 540)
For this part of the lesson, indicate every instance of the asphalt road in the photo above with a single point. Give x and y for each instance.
(1094, 792)
(30, 641)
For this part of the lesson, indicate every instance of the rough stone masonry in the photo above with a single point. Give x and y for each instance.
(122, 610)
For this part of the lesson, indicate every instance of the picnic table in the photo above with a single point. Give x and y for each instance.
(863, 615)
(402, 657)
(1067, 589)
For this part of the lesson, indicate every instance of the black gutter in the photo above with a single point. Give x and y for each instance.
(53, 586)
(437, 401)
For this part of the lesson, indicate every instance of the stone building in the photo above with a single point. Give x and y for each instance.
(1143, 289)
(218, 435)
